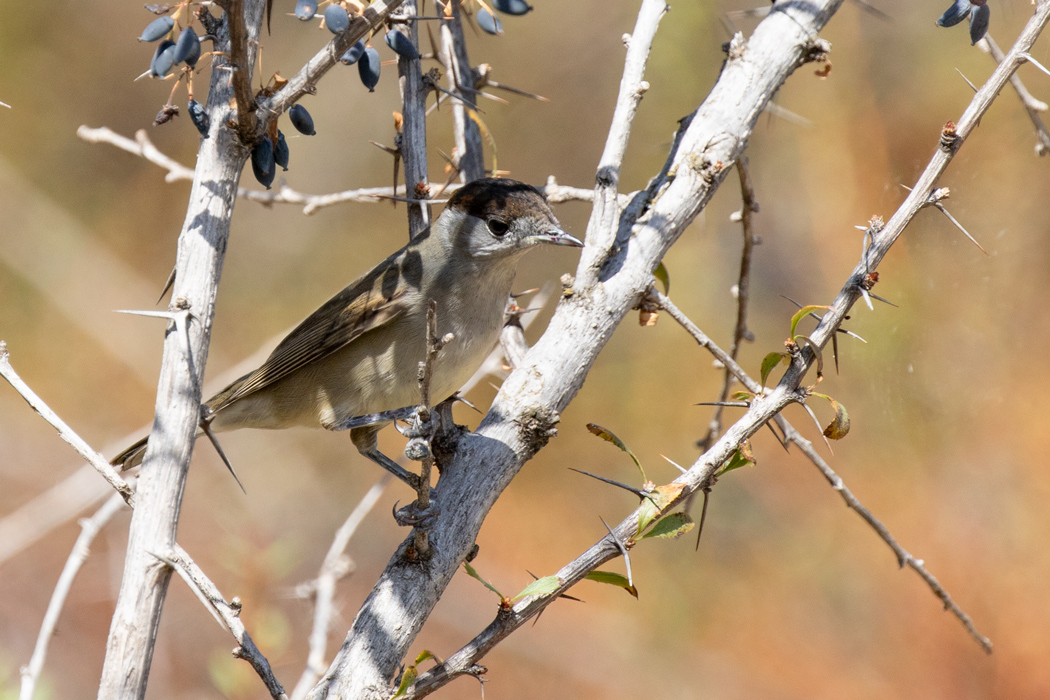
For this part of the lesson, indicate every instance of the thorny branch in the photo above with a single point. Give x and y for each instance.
(793, 436)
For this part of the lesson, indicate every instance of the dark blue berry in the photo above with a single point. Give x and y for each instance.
(368, 68)
(979, 22)
(280, 152)
(353, 53)
(305, 9)
(187, 48)
(301, 120)
(199, 117)
(512, 7)
(263, 166)
(955, 14)
(336, 19)
(163, 59)
(401, 44)
(157, 29)
(489, 22)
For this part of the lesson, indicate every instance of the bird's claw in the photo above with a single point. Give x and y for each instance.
(413, 515)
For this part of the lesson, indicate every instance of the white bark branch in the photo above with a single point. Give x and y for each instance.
(601, 229)
(201, 250)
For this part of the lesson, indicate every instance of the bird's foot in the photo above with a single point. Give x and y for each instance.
(413, 515)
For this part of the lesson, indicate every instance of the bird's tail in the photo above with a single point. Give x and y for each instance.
(130, 457)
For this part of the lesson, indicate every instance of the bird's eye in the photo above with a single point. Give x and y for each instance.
(497, 227)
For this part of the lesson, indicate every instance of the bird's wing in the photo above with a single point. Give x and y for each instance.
(359, 308)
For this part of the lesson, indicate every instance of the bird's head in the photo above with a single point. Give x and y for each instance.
(495, 217)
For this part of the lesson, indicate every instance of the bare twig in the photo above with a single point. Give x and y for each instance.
(90, 527)
(748, 208)
(1031, 105)
(904, 558)
(228, 615)
(332, 569)
(601, 229)
(423, 420)
(469, 156)
(412, 140)
(96, 460)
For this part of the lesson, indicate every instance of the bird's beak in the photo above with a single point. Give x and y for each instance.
(559, 237)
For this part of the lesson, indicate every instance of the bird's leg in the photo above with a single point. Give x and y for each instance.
(364, 439)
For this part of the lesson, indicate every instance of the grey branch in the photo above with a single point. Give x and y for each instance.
(89, 528)
(412, 139)
(100, 464)
(469, 155)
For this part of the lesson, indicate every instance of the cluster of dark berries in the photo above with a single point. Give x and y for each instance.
(169, 53)
(270, 153)
(978, 12)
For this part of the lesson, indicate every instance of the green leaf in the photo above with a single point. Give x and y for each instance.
(407, 679)
(672, 527)
(474, 574)
(541, 586)
(613, 580)
(735, 462)
(769, 363)
(660, 273)
(608, 436)
(659, 498)
(426, 654)
(802, 313)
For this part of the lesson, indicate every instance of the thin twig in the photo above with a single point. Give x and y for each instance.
(90, 527)
(1031, 105)
(334, 567)
(748, 207)
(228, 615)
(469, 155)
(602, 227)
(96, 460)
(412, 137)
(904, 558)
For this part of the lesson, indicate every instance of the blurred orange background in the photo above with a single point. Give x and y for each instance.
(790, 594)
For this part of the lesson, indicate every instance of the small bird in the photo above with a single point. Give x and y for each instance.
(358, 354)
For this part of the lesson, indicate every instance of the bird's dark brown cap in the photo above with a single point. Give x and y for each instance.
(492, 196)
